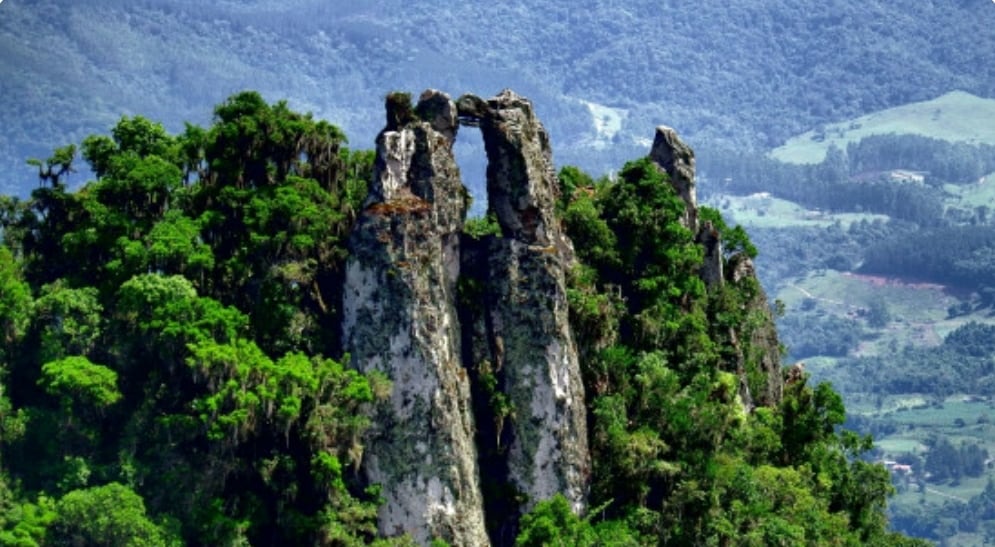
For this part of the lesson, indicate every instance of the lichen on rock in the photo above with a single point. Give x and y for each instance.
(399, 318)
(521, 182)
(403, 316)
(528, 335)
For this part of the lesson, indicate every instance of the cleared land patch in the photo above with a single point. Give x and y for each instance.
(956, 116)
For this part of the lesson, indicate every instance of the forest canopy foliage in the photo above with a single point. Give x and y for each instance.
(171, 359)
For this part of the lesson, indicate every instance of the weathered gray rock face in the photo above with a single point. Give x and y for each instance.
(415, 294)
(400, 319)
(529, 343)
(521, 181)
(677, 159)
(528, 339)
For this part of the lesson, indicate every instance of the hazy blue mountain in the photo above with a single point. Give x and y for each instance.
(740, 74)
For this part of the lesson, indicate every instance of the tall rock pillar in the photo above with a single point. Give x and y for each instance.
(528, 341)
(400, 319)
(677, 159)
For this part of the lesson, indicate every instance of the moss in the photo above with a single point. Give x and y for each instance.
(499, 405)
(399, 110)
(478, 228)
(470, 295)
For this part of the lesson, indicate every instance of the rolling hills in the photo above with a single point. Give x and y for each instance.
(743, 74)
(956, 116)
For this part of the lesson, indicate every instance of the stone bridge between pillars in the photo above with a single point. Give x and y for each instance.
(404, 317)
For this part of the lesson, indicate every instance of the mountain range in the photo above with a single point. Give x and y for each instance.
(740, 74)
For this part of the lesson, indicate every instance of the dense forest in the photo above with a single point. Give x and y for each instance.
(727, 85)
(961, 364)
(172, 371)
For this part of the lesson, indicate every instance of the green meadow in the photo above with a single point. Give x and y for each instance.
(955, 116)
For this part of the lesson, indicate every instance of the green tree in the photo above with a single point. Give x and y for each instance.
(15, 301)
(26, 524)
(553, 523)
(77, 381)
(109, 515)
(60, 163)
(70, 320)
(878, 315)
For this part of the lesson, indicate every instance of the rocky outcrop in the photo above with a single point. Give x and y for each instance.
(677, 159)
(757, 349)
(711, 243)
(400, 319)
(523, 313)
(487, 393)
(521, 181)
(415, 294)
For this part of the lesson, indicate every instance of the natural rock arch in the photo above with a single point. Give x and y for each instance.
(401, 318)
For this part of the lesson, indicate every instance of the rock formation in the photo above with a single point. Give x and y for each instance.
(764, 354)
(756, 344)
(487, 394)
(711, 243)
(400, 319)
(677, 159)
(524, 309)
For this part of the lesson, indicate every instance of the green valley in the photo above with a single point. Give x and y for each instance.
(296, 322)
(874, 297)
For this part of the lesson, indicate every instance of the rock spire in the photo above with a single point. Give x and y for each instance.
(528, 337)
(405, 317)
(400, 319)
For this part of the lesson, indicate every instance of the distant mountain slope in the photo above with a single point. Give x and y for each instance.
(736, 73)
(956, 116)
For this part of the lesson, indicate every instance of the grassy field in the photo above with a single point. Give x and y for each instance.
(972, 195)
(919, 317)
(955, 116)
(958, 417)
(919, 311)
(765, 211)
(915, 425)
(843, 294)
(927, 416)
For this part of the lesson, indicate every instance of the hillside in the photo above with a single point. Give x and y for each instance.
(956, 116)
(744, 74)
(881, 255)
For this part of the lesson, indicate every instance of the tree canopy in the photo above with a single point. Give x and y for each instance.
(168, 341)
